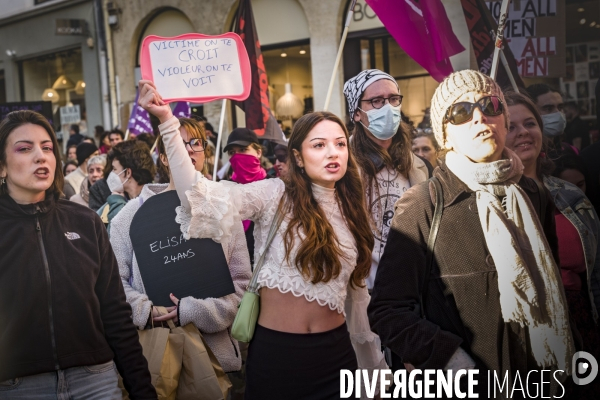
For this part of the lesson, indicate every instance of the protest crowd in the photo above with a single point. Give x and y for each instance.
(166, 264)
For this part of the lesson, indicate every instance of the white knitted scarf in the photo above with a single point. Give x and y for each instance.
(530, 285)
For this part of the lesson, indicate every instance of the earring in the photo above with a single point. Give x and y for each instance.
(2, 180)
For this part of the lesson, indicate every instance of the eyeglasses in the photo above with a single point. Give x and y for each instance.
(197, 145)
(460, 113)
(378, 102)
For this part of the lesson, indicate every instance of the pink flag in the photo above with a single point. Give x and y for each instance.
(422, 29)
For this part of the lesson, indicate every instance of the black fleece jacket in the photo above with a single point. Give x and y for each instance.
(63, 304)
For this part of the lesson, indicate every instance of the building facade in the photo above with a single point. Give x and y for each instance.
(299, 39)
(53, 51)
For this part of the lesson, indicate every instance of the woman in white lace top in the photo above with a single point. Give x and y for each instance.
(313, 319)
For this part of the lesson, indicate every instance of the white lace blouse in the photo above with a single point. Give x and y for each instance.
(209, 210)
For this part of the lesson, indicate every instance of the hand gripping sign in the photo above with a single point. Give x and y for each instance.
(196, 67)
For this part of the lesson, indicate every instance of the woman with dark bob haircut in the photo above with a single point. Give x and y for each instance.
(69, 323)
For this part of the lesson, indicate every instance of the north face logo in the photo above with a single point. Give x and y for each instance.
(72, 235)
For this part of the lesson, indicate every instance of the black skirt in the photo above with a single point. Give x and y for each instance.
(283, 365)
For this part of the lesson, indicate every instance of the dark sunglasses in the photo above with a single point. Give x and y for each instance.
(197, 145)
(281, 157)
(460, 113)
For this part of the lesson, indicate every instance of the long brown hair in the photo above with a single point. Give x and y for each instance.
(16, 119)
(371, 157)
(318, 256)
(544, 165)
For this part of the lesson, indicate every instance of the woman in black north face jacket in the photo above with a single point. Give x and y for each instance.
(64, 318)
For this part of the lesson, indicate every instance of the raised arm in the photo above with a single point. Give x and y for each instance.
(215, 207)
(182, 170)
(209, 209)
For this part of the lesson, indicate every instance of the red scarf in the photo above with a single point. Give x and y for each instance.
(246, 168)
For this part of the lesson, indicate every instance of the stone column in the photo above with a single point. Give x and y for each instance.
(325, 19)
(11, 79)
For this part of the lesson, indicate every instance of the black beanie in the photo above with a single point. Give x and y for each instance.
(84, 151)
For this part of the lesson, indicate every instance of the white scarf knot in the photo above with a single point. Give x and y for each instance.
(530, 284)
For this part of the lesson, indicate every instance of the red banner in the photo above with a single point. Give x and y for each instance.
(482, 28)
(259, 117)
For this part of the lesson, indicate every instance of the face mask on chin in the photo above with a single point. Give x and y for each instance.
(383, 122)
(554, 124)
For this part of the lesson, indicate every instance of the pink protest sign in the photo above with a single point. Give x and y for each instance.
(196, 67)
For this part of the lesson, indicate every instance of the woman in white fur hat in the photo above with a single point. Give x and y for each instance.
(491, 297)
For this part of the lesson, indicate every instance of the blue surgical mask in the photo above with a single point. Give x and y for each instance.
(384, 121)
(554, 124)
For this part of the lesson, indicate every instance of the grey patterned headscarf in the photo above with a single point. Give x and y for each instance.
(355, 87)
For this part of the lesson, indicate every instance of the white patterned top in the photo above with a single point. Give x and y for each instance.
(209, 210)
(258, 201)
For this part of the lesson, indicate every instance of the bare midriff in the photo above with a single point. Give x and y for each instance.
(285, 312)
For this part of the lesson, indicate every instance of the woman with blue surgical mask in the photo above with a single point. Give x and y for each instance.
(382, 146)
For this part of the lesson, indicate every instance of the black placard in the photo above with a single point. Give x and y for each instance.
(42, 107)
(170, 264)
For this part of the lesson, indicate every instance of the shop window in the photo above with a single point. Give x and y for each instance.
(289, 64)
(40, 81)
(377, 49)
(279, 21)
(582, 73)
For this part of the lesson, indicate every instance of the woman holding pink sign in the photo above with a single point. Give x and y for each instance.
(212, 316)
(313, 297)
